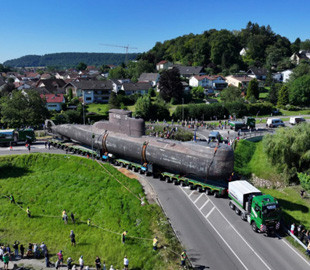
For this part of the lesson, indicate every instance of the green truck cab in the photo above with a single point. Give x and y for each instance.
(13, 136)
(261, 211)
(247, 122)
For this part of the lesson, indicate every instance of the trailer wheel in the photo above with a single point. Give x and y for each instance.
(128, 166)
(201, 189)
(182, 183)
(216, 194)
(141, 171)
(208, 191)
(192, 187)
(237, 211)
(231, 205)
(175, 181)
(161, 178)
(254, 227)
(167, 179)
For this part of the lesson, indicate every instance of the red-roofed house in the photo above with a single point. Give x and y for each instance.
(216, 82)
(53, 101)
(163, 65)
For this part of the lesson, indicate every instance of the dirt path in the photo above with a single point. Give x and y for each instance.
(148, 189)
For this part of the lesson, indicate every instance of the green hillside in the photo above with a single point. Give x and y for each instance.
(50, 183)
(70, 59)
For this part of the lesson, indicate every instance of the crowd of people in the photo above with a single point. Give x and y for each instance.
(302, 234)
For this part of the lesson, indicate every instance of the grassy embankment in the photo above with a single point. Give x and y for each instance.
(250, 158)
(50, 183)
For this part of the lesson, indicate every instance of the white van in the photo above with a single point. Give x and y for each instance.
(274, 122)
(296, 119)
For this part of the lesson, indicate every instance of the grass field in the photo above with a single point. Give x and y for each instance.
(50, 183)
(98, 108)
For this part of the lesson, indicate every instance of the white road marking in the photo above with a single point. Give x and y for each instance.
(284, 240)
(204, 204)
(207, 215)
(214, 206)
(191, 193)
(198, 198)
(222, 237)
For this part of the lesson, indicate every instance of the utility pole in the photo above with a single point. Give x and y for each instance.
(182, 109)
(83, 114)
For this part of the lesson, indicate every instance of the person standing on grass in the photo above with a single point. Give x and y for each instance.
(22, 251)
(12, 199)
(6, 259)
(72, 218)
(81, 262)
(28, 212)
(60, 257)
(47, 258)
(98, 263)
(15, 246)
(69, 263)
(124, 237)
(72, 237)
(126, 263)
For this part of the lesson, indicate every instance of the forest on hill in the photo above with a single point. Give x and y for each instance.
(71, 59)
(219, 50)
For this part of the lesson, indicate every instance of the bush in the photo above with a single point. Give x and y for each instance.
(304, 180)
(260, 108)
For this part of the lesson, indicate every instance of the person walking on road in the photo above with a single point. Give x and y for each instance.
(69, 263)
(6, 259)
(47, 258)
(22, 251)
(60, 257)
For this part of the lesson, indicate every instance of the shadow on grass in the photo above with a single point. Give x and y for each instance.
(293, 206)
(12, 171)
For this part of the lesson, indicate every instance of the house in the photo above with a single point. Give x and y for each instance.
(46, 76)
(116, 85)
(282, 76)
(60, 75)
(152, 78)
(188, 71)
(136, 88)
(301, 55)
(243, 51)
(90, 91)
(258, 73)
(215, 82)
(163, 65)
(53, 101)
(53, 86)
(239, 80)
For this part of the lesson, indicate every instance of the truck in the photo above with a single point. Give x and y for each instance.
(246, 122)
(261, 211)
(14, 136)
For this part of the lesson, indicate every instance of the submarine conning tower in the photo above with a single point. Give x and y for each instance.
(121, 121)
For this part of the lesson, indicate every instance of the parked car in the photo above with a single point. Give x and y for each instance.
(274, 122)
(296, 120)
(215, 136)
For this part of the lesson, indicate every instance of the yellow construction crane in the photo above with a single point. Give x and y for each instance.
(120, 46)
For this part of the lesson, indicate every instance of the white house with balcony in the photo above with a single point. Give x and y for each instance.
(215, 82)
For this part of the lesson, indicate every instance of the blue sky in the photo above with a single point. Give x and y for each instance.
(48, 26)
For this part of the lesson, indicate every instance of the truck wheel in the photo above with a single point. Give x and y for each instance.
(231, 205)
(243, 217)
(237, 211)
(254, 227)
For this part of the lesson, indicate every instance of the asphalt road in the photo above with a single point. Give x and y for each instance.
(216, 238)
(213, 235)
(37, 147)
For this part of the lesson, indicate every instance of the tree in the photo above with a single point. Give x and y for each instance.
(198, 92)
(81, 66)
(301, 70)
(118, 73)
(114, 101)
(170, 85)
(305, 45)
(23, 109)
(231, 94)
(70, 94)
(253, 90)
(273, 93)
(283, 96)
(289, 149)
(143, 107)
(299, 91)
